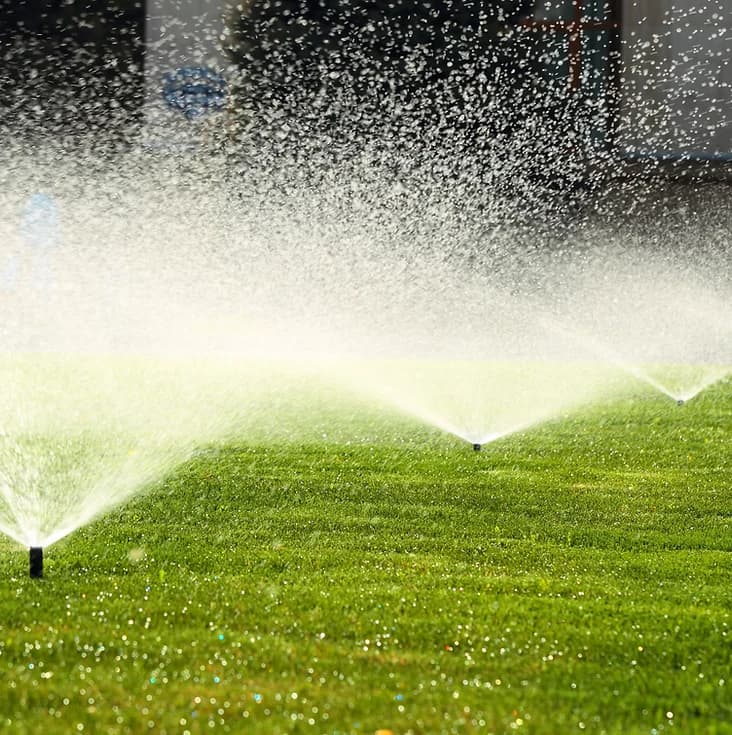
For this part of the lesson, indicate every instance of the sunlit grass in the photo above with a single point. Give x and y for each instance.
(380, 575)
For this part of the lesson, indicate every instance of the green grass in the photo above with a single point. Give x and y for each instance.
(574, 578)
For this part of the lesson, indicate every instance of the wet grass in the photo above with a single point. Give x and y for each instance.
(575, 578)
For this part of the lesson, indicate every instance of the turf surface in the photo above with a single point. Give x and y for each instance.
(573, 578)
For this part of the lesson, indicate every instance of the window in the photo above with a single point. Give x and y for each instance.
(583, 35)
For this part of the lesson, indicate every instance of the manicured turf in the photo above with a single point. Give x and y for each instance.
(576, 577)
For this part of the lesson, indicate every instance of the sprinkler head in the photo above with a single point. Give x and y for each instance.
(680, 402)
(477, 447)
(36, 562)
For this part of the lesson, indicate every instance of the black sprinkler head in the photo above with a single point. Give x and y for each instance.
(680, 402)
(477, 447)
(36, 562)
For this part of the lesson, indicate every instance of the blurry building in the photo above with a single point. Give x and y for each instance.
(655, 74)
(670, 96)
(677, 80)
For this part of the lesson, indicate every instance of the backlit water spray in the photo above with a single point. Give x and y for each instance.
(413, 227)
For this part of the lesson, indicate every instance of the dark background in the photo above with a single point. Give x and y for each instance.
(321, 79)
(71, 63)
(80, 62)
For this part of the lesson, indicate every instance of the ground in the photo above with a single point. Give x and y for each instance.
(574, 577)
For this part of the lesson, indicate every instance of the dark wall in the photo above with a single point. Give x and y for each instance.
(434, 89)
(364, 65)
(70, 65)
(407, 45)
(396, 39)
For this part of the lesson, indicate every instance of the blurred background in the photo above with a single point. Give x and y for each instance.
(576, 80)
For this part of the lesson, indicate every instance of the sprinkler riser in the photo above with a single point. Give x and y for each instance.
(477, 447)
(36, 562)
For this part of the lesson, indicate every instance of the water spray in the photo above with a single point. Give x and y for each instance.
(36, 562)
(477, 447)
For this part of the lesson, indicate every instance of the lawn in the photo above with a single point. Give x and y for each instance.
(571, 578)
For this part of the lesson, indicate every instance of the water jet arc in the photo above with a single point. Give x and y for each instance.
(36, 562)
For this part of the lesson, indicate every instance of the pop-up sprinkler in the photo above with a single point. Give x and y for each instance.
(36, 562)
(680, 402)
(477, 447)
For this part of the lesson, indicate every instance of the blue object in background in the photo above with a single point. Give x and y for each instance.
(10, 273)
(40, 230)
(40, 224)
(194, 91)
